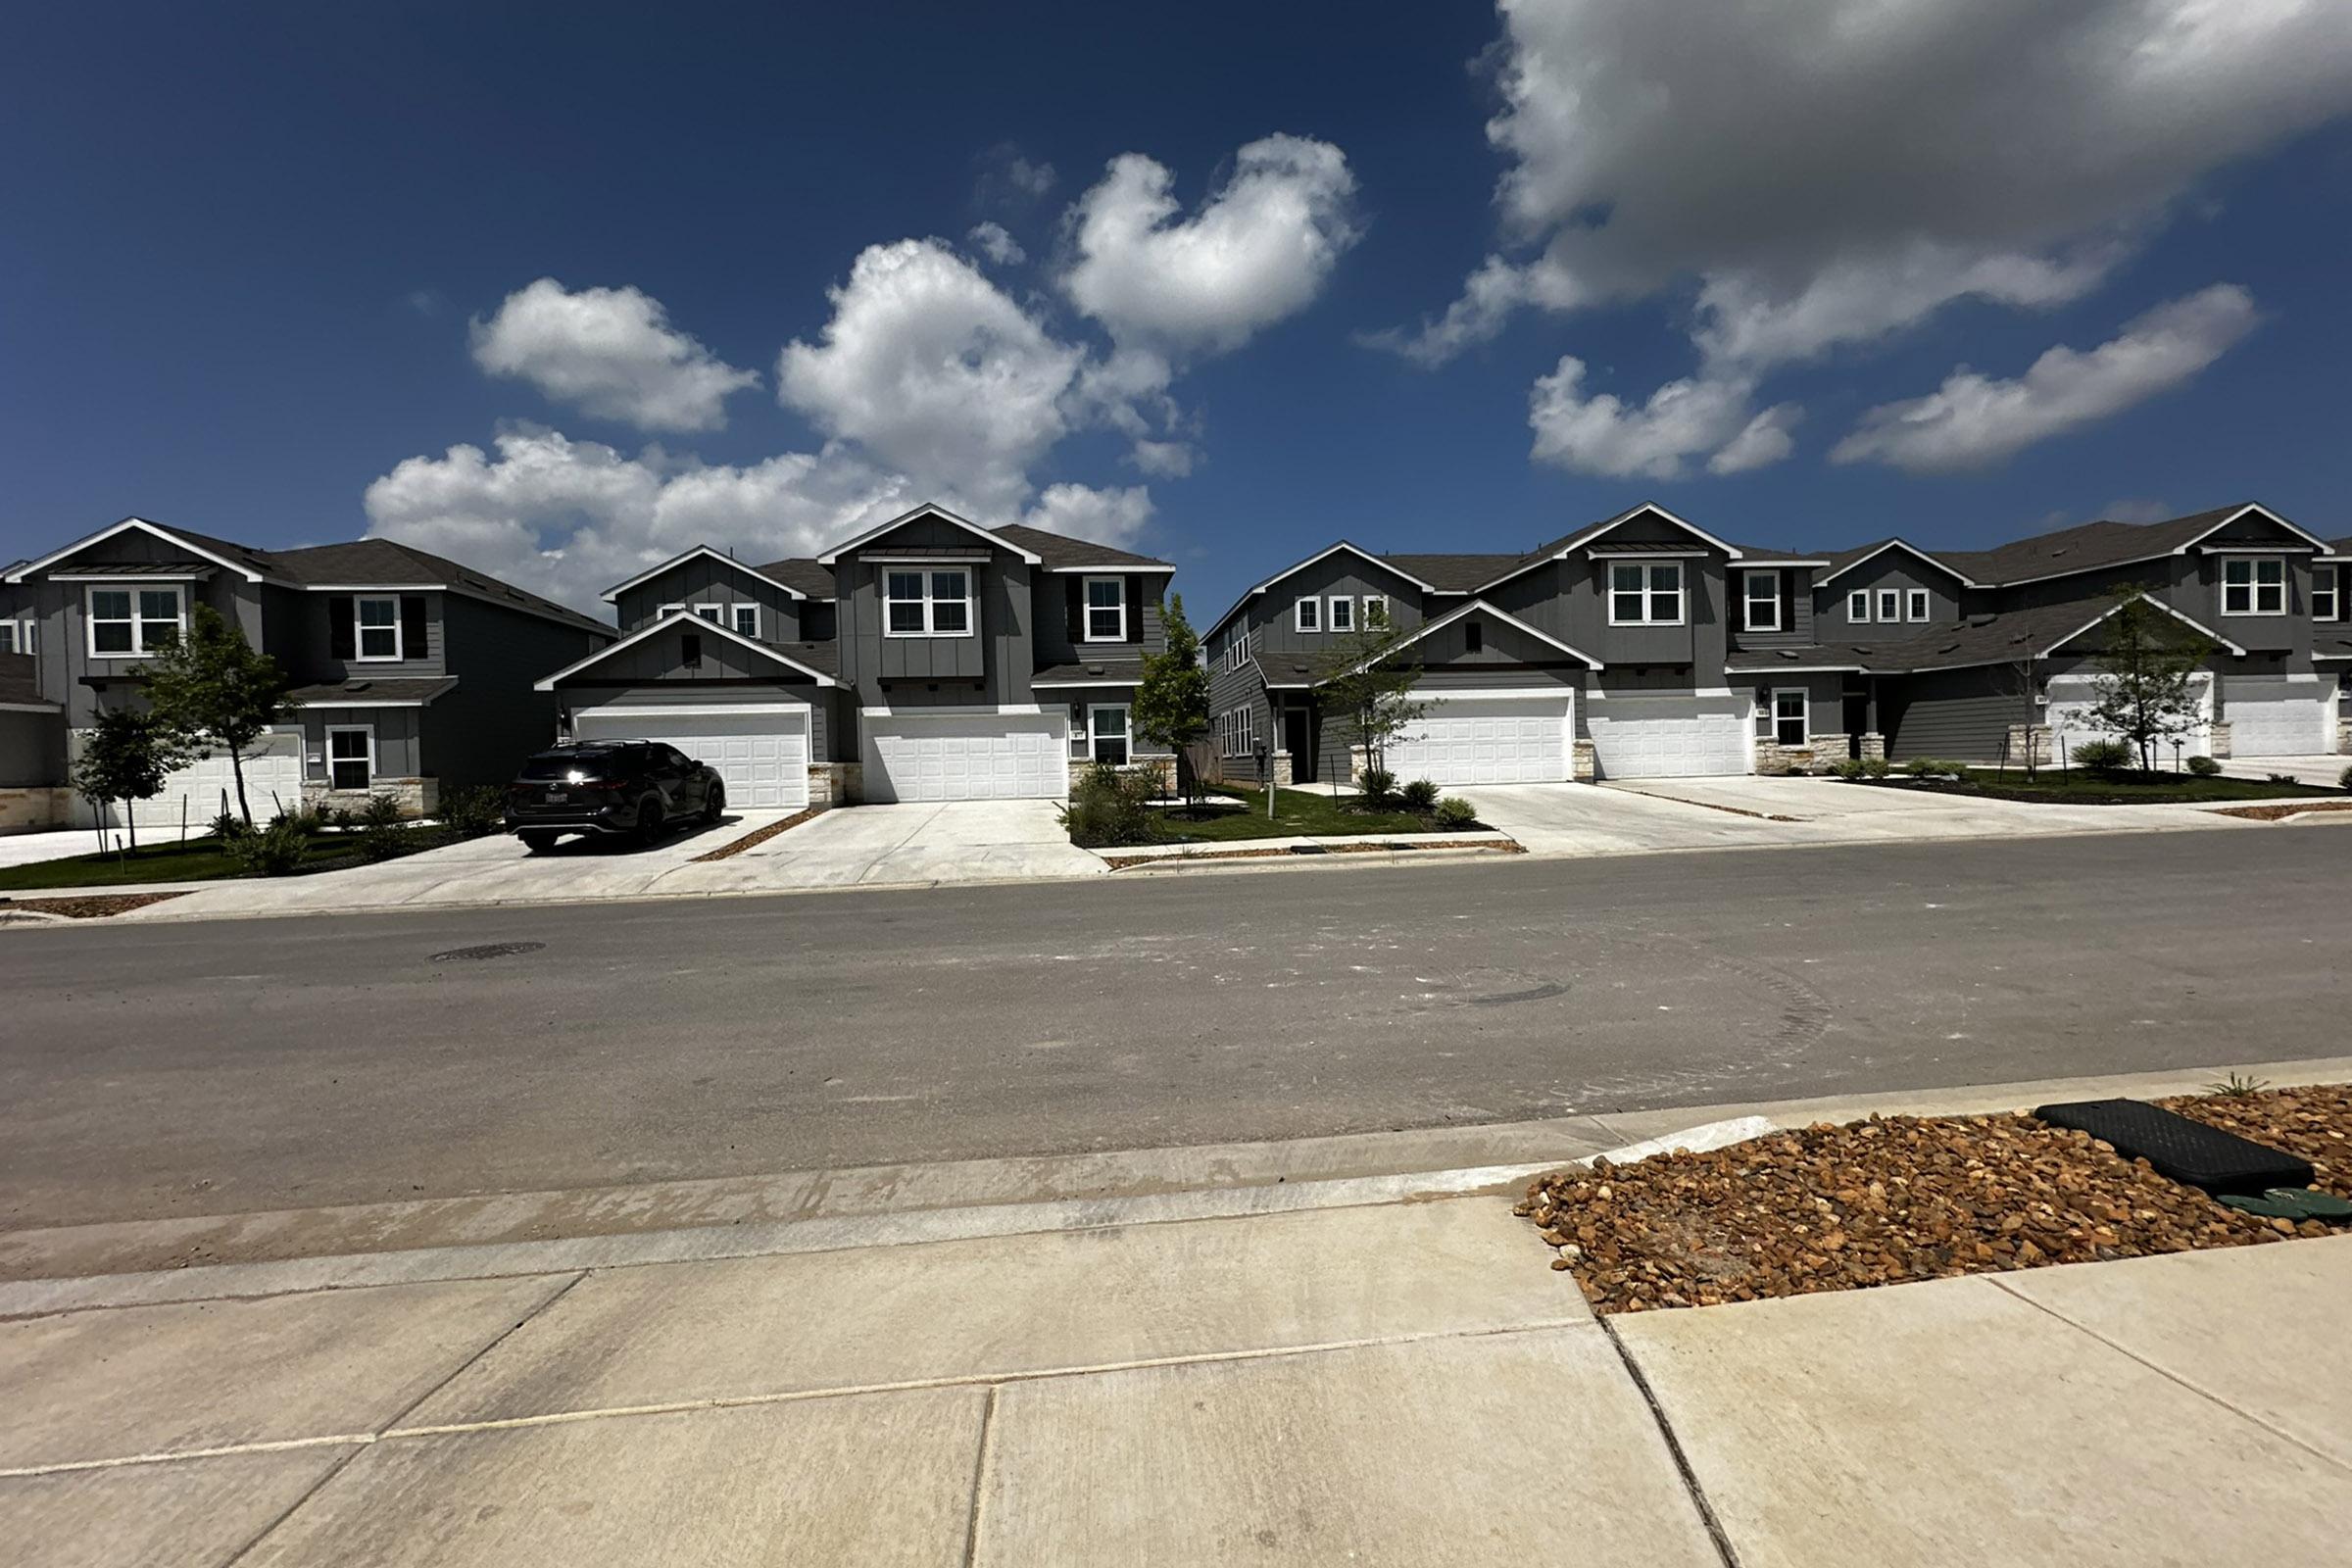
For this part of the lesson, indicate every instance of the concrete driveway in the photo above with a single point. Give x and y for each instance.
(878, 845)
(60, 844)
(2321, 769)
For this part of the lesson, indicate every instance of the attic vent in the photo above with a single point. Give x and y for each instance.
(1949, 648)
(1094, 669)
(357, 685)
(1789, 653)
(1979, 620)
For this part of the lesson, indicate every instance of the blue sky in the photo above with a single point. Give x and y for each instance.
(274, 273)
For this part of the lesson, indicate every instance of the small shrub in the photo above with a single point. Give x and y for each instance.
(2103, 757)
(229, 826)
(1109, 806)
(1379, 787)
(1420, 796)
(1933, 767)
(344, 818)
(1873, 767)
(1454, 813)
(382, 811)
(475, 813)
(2203, 766)
(2343, 780)
(1849, 769)
(2237, 1087)
(273, 850)
(2282, 778)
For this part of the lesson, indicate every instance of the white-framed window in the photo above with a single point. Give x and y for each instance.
(2326, 597)
(2253, 585)
(1646, 593)
(1307, 616)
(1915, 603)
(8, 638)
(664, 611)
(928, 604)
(1890, 604)
(745, 618)
(375, 629)
(1105, 610)
(1110, 730)
(127, 622)
(1237, 648)
(1343, 613)
(1762, 597)
(350, 756)
(716, 615)
(1791, 722)
(1857, 606)
(1237, 732)
(1376, 610)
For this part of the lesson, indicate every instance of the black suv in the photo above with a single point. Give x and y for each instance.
(636, 788)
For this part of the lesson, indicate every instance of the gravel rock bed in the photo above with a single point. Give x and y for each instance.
(92, 907)
(1905, 1197)
(757, 836)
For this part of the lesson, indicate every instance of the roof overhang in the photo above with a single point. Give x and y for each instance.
(1135, 568)
(1356, 551)
(927, 511)
(613, 594)
(1478, 606)
(31, 707)
(158, 530)
(1763, 562)
(362, 700)
(2266, 513)
(1953, 573)
(1583, 540)
(681, 618)
(2116, 610)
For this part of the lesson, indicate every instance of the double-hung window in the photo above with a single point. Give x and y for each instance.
(1791, 724)
(716, 615)
(746, 620)
(8, 637)
(928, 604)
(1857, 606)
(1110, 735)
(375, 629)
(1105, 610)
(125, 622)
(1343, 613)
(1307, 616)
(1237, 648)
(2327, 593)
(2253, 585)
(350, 756)
(1891, 604)
(1915, 603)
(1646, 593)
(1763, 600)
(1376, 610)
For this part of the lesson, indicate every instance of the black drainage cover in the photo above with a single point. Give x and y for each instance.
(491, 949)
(2183, 1149)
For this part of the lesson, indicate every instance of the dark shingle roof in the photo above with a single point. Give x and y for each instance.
(823, 657)
(369, 689)
(2087, 548)
(384, 561)
(801, 573)
(1454, 575)
(1057, 550)
(1979, 640)
(1108, 671)
(17, 682)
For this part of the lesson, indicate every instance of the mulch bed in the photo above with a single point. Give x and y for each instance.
(2278, 813)
(759, 836)
(1908, 1197)
(94, 907)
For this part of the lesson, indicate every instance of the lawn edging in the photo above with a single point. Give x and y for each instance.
(1170, 856)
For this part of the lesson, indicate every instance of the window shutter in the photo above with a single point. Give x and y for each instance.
(415, 632)
(1135, 609)
(340, 638)
(1077, 600)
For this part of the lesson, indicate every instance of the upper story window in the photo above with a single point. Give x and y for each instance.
(928, 604)
(716, 615)
(1891, 604)
(1763, 600)
(745, 618)
(2253, 585)
(125, 622)
(375, 629)
(17, 637)
(1646, 593)
(1916, 604)
(1307, 616)
(1376, 610)
(1857, 606)
(1105, 610)
(1343, 613)
(1237, 648)
(2326, 594)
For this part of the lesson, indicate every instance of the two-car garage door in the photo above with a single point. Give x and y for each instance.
(981, 756)
(763, 753)
(1507, 740)
(1672, 736)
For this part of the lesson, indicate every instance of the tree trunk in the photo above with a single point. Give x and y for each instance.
(236, 769)
(130, 820)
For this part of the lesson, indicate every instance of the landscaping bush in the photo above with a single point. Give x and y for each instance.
(2282, 778)
(229, 826)
(1849, 769)
(1454, 813)
(383, 834)
(2343, 780)
(1421, 796)
(1874, 767)
(2203, 766)
(344, 818)
(2104, 756)
(1110, 807)
(1379, 788)
(1932, 767)
(475, 813)
(273, 850)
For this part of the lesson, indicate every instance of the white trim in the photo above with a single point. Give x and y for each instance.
(930, 600)
(360, 630)
(327, 755)
(1356, 551)
(120, 577)
(676, 607)
(2254, 584)
(1961, 577)
(1801, 669)
(666, 623)
(133, 586)
(2316, 542)
(1087, 607)
(312, 707)
(1332, 605)
(1364, 607)
(379, 588)
(927, 510)
(1863, 620)
(1599, 694)
(716, 613)
(1624, 518)
(1759, 563)
(1879, 600)
(735, 616)
(1773, 716)
(1491, 694)
(1299, 614)
(1918, 605)
(1000, 709)
(1080, 685)
(2187, 620)
(2334, 592)
(1647, 555)
(1748, 577)
(892, 563)
(1128, 709)
(1137, 569)
(689, 709)
(157, 530)
(613, 594)
(1478, 606)
(1681, 593)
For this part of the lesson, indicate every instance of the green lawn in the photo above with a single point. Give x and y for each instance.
(1298, 814)
(196, 861)
(2080, 787)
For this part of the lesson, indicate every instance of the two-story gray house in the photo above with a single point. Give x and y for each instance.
(1643, 646)
(413, 672)
(929, 658)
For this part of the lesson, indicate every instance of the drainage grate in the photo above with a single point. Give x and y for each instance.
(489, 950)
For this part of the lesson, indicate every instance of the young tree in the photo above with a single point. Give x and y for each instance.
(1171, 705)
(211, 688)
(2145, 690)
(1367, 691)
(127, 758)
(2020, 679)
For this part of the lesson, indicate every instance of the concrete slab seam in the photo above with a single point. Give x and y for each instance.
(2166, 1372)
(971, 1519)
(1674, 1446)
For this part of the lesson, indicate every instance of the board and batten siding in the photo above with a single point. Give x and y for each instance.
(706, 582)
(481, 731)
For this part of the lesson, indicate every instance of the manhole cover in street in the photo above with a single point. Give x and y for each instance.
(489, 950)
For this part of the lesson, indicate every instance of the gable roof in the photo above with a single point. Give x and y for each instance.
(926, 510)
(613, 594)
(244, 562)
(1457, 574)
(1843, 562)
(1568, 544)
(1061, 553)
(1391, 563)
(2096, 546)
(1998, 639)
(803, 574)
(819, 660)
(1481, 608)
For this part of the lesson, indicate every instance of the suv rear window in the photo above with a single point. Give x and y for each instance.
(579, 760)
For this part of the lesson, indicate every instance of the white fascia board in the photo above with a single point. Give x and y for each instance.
(1490, 694)
(2187, 620)
(927, 510)
(1630, 512)
(1479, 606)
(2264, 513)
(690, 709)
(1081, 685)
(1953, 573)
(1136, 569)
(967, 710)
(1356, 551)
(613, 594)
(701, 625)
(157, 530)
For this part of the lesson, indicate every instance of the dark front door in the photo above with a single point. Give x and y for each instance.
(1298, 739)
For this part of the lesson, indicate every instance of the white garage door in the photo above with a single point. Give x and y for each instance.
(2069, 717)
(983, 755)
(273, 779)
(2283, 718)
(1467, 740)
(763, 753)
(1669, 737)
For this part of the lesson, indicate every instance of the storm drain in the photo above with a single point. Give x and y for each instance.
(489, 950)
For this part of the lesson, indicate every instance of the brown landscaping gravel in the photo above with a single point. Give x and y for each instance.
(2279, 813)
(756, 837)
(94, 906)
(1904, 1198)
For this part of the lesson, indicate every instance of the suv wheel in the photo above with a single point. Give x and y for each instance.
(714, 803)
(649, 823)
(538, 843)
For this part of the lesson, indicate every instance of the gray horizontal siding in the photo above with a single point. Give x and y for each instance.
(1959, 713)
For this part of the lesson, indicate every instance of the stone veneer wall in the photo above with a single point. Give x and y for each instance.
(1819, 754)
(417, 797)
(36, 808)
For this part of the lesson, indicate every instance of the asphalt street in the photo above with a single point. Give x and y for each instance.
(222, 1066)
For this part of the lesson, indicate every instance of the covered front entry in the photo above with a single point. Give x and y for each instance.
(1486, 738)
(979, 755)
(1677, 735)
(2286, 716)
(761, 750)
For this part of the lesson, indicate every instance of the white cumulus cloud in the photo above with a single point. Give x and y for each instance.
(1599, 432)
(996, 242)
(1973, 421)
(610, 352)
(1108, 517)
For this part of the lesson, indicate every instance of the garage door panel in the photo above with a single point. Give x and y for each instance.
(2070, 717)
(762, 758)
(1669, 737)
(2279, 717)
(956, 757)
(1466, 741)
(272, 778)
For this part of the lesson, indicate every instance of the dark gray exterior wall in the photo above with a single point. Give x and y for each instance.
(1796, 608)
(1961, 714)
(990, 668)
(480, 732)
(33, 750)
(1059, 628)
(67, 665)
(704, 581)
(1897, 569)
(399, 739)
(301, 628)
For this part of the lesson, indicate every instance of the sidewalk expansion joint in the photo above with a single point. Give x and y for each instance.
(2166, 1372)
(1674, 1446)
(971, 1522)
